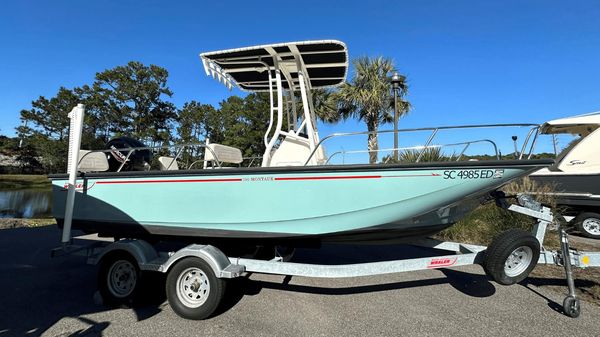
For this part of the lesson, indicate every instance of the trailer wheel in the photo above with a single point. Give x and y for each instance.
(193, 290)
(511, 256)
(571, 306)
(588, 223)
(118, 278)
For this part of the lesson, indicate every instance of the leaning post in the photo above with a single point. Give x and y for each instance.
(75, 130)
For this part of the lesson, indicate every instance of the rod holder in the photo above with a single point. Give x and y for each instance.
(75, 130)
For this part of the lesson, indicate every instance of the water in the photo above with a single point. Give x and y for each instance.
(25, 203)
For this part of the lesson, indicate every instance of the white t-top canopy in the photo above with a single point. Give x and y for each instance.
(581, 124)
(324, 63)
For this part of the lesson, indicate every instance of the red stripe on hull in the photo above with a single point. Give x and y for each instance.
(415, 175)
(225, 180)
(328, 178)
(170, 181)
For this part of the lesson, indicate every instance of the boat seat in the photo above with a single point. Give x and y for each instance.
(167, 164)
(223, 153)
(295, 150)
(92, 161)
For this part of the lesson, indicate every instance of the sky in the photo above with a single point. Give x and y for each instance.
(467, 62)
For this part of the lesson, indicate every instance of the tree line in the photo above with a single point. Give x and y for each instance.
(134, 100)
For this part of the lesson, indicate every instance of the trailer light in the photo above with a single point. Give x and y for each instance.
(585, 260)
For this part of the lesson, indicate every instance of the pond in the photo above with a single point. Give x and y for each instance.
(32, 203)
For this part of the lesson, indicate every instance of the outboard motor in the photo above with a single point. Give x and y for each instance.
(139, 160)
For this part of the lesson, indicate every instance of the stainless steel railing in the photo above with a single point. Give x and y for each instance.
(466, 144)
(534, 131)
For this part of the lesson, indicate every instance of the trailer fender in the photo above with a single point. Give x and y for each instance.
(215, 258)
(141, 250)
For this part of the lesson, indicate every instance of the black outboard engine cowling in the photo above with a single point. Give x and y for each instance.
(139, 160)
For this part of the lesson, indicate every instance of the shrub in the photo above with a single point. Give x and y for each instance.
(429, 154)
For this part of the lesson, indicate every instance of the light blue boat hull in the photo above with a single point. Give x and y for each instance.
(339, 203)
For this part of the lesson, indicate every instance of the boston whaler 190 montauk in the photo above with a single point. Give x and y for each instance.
(294, 199)
(292, 196)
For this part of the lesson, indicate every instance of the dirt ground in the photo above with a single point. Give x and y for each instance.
(7, 223)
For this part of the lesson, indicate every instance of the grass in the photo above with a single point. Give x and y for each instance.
(22, 181)
(487, 221)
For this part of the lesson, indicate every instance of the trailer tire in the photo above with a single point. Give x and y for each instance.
(119, 279)
(193, 290)
(511, 256)
(588, 224)
(571, 306)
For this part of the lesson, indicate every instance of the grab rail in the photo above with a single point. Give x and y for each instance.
(435, 130)
(421, 147)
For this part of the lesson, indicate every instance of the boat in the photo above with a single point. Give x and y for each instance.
(296, 197)
(575, 177)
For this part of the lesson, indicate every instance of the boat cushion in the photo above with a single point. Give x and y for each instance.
(225, 154)
(92, 161)
(167, 164)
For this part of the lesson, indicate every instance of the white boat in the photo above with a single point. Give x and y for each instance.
(575, 177)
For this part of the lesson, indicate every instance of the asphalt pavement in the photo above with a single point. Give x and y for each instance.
(41, 296)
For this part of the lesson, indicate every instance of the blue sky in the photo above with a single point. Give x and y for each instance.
(467, 62)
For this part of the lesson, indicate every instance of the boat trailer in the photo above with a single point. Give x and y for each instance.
(196, 273)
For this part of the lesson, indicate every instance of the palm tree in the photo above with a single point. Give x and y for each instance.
(368, 97)
(325, 108)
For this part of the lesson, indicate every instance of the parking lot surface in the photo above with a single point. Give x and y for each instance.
(41, 296)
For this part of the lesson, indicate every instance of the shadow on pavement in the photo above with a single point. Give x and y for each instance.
(38, 291)
(475, 287)
(94, 329)
(547, 281)
(551, 304)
